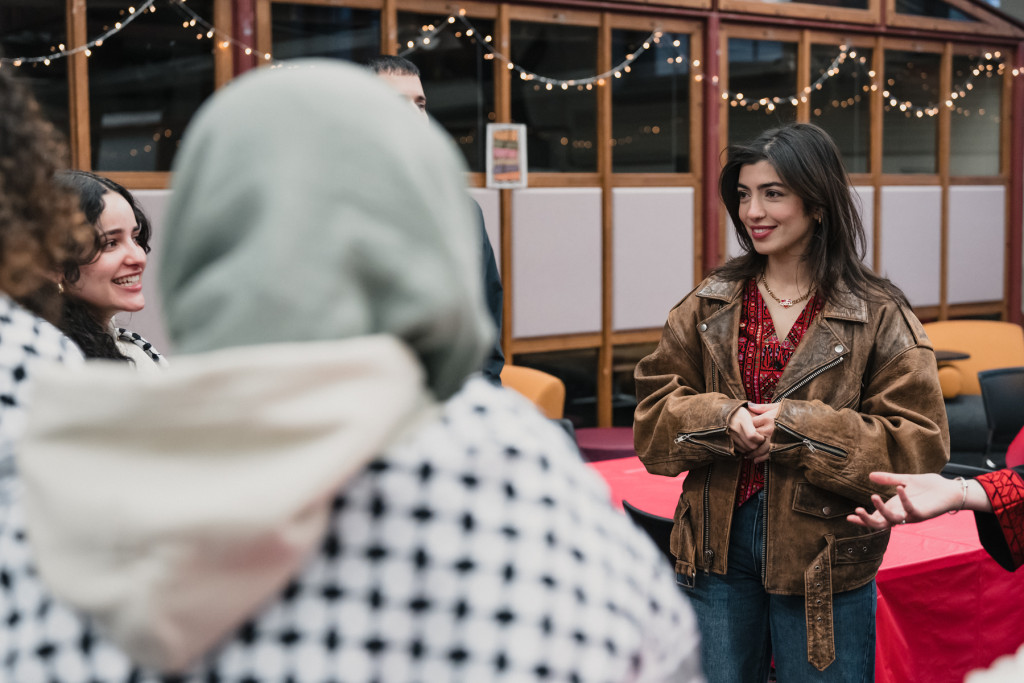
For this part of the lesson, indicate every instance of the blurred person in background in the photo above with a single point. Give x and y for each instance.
(41, 231)
(404, 76)
(314, 491)
(111, 281)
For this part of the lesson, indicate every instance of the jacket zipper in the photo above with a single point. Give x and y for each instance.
(807, 442)
(764, 529)
(709, 554)
(812, 444)
(683, 437)
(807, 379)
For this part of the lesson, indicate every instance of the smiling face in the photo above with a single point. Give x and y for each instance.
(113, 282)
(773, 215)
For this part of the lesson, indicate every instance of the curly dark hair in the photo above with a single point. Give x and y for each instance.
(79, 320)
(42, 230)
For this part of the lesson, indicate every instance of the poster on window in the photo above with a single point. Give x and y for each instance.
(506, 155)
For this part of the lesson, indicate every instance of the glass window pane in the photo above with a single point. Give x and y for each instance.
(841, 102)
(145, 82)
(909, 124)
(457, 72)
(35, 28)
(561, 124)
(931, 8)
(762, 83)
(975, 120)
(651, 104)
(319, 31)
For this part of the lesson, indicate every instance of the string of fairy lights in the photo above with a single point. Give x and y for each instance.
(991, 64)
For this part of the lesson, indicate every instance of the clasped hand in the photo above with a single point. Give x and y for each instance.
(751, 428)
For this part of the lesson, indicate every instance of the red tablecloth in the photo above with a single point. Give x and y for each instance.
(944, 606)
(605, 443)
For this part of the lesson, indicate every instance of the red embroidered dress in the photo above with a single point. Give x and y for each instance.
(762, 358)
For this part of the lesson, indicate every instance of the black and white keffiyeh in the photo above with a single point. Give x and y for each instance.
(481, 549)
(125, 336)
(25, 341)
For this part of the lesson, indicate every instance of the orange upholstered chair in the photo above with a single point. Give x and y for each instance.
(546, 391)
(990, 343)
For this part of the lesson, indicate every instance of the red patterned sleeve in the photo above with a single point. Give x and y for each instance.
(1002, 532)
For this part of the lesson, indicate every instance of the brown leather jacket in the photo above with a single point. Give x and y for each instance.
(860, 393)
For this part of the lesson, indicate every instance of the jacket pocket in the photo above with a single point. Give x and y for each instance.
(682, 545)
(811, 500)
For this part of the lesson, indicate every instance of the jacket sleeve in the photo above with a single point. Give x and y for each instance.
(679, 423)
(1002, 531)
(899, 426)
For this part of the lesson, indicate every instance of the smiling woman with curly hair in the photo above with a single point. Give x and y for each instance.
(42, 233)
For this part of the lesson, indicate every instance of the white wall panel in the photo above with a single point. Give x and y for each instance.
(490, 204)
(911, 234)
(977, 243)
(149, 322)
(653, 254)
(556, 261)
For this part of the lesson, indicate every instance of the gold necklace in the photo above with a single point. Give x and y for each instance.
(785, 303)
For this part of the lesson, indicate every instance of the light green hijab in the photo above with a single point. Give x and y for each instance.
(312, 202)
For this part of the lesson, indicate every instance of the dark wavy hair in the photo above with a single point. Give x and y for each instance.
(808, 162)
(79, 320)
(42, 231)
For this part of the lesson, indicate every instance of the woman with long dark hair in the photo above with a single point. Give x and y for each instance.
(110, 281)
(779, 384)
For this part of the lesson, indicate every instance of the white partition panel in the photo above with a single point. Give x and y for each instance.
(556, 261)
(977, 243)
(653, 253)
(911, 234)
(864, 200)
(149, 322)
(490, 204)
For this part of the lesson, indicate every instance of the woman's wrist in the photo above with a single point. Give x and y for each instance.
(976, 499)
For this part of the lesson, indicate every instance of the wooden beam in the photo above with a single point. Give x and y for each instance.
(78, 88)
(1016, 192)
(604, 169)
(714, 80)
(942, 148)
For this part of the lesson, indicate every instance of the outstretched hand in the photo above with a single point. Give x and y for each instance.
(918, 497)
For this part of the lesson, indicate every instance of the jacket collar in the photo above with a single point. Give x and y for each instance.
(844, 305)
(820, 346)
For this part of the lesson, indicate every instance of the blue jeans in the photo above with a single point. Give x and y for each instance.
(743, 627)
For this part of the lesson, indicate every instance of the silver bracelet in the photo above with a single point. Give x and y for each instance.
(963, 501)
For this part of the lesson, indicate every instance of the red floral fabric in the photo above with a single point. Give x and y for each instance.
(763, 358)
(1005, 488)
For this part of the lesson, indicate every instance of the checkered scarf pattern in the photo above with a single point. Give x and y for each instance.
(480, 549)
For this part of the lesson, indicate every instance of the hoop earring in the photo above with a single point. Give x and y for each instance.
(60, 287)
